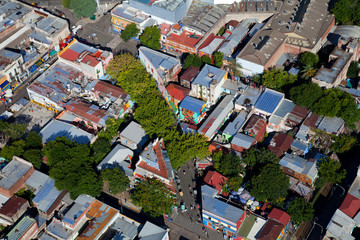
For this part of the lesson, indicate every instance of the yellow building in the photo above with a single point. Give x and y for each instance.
(123, 15)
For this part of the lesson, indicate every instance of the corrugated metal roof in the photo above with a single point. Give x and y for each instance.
(208, 74)
(134, 132)
(269, 100)
(20, 229)
(331, 124)
(46, 196)
(13, 172)
(233, 127)
(152, 232)
(285, 107)
(192, 104)
(243, 140)
(36, 181)
(299, 165)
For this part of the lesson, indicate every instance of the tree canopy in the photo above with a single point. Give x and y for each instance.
(306, 94)
(17, 148)
(192, 60)
(300, 211)
(153, 197)
(71, 166)
(347, 12)
(66, 3)
(330, 171)
(270, 185)
(116, 178)
(335, 102)
(151, 37)
(130, 31)
(353, 70)
(13, 131)
(277, 79)
(218, 59)
(206, 59)
(309, 59)
(83, 8)
(254, 158)
(234, 69)
(100, 148)
(343, 143)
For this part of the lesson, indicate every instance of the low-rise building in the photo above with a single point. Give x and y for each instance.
(181, 41)
(331, 125)
(247, 99)
(49, 199)
(278, 222)
(192, 110)
(217, 214)
(280, 143)
(153, 232)
(188, 76)
(11, 65)
(12, 210)
(211, 45)
(25, 229)
(242, 142)
(340, 227)
(268, 102)
(277, 120)
(207, 84)
(235, 126)
(14, 176)
(300, 168)
(56, 128)
(162, 67)
(133, 136)
(36, 181)
(154, 162)
(91, 61)
(256, 127)
(217, 118)
(119, 157)
(251, 226)
(217, 181)
(175, 94)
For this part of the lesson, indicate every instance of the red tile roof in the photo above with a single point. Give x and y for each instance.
(280, 143)
(90, 60)
(185, 38)
(109, 89)
(190, 73)
(70, 55)
(215, 179)
(299, 111)
(233, 23)
(176, 91)
(279, 216)
(271, 230)
(12, 206)
(350, 205)
(176, 26)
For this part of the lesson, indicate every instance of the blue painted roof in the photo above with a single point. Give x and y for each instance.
(269, 100)
(220, 208)
(192, 104)
(243, 140)
(46, 196)
(233, 127)
(208, 74)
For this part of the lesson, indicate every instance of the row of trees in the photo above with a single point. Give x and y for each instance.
(153, 113)
(329, 102)
(197, 61)
(82, 8)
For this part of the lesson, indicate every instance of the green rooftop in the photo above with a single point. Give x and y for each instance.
(246, 226)
(20, 229)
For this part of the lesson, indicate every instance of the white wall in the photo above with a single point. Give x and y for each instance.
(249, 68)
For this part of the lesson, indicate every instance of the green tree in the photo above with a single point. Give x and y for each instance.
(330, 171)
(343, 143)
(17, 148)
(33, 140)
(277, 79)
(254, 157)
(192, 60)
(34, 156)
(121, 64)
(227, 164)
(100, 148)
(153, 197)
(116, 178)
(26, 194)
(182, 148)
(234, 69)
(66, 3)
(151, 37)
(234, 182)
(300, 211)
(83, 8)
(309, 59)
(218, 59)
(71, 166)
(347, 12)
(270, 185)
(206, 59)
(353, 70)
(308, 72)
(13, 131)
(112, 127)
(130, 31)
(306, 94)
